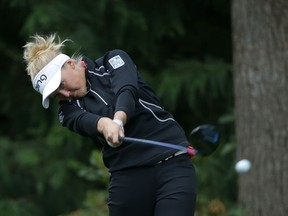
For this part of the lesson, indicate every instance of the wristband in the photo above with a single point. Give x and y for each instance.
(119, 122)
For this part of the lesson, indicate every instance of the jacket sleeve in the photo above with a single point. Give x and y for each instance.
(124, 80)
(77, 119)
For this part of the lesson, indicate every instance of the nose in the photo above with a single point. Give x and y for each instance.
(64, 93)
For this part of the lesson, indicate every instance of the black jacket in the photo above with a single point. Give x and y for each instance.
(115, 84)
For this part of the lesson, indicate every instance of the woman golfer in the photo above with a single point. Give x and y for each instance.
(106, 99)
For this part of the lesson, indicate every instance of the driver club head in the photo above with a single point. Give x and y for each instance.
(204, 139)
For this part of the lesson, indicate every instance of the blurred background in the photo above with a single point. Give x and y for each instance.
(183, 50)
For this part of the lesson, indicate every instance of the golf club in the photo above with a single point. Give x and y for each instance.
(203, 139)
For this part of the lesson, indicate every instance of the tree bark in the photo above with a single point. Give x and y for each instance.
(260, 61)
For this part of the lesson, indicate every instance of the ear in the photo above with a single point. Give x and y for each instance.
(83, 64)
(71, 62)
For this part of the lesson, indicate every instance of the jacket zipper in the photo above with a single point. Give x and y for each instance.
(99, 96)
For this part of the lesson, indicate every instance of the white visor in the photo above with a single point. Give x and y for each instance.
(49, 78)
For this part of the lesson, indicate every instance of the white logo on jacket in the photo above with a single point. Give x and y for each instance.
(116, 62)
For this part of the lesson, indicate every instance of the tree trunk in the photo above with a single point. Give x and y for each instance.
(260, 58)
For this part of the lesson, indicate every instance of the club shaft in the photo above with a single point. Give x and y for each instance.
(191, 152)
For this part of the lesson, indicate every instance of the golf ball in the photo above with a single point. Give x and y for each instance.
(243, 166)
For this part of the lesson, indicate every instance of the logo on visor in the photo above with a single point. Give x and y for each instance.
(41, 79)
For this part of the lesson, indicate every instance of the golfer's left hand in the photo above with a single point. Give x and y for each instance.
(112, 130)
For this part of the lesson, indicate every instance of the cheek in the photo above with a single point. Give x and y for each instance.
(72, 83)
(75, 80)
(78, 85)
(81, 82)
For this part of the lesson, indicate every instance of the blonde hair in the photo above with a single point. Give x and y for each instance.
(40, 52)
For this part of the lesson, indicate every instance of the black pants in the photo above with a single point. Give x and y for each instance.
(166, 189)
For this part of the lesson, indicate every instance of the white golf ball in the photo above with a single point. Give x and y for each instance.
(243, 166)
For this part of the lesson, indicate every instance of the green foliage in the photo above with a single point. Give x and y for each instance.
(42, 172)
(95, 202)
(195, 79)
(19, 207)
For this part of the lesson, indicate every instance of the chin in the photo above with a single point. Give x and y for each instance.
(80, 94)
